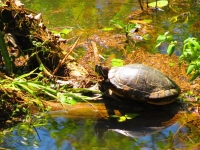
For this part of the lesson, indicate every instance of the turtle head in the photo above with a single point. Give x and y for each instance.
(103, 71)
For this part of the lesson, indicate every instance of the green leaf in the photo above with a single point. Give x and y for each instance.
(195, 75)
(27, 88)
(55, 32)
(190, 68)
(173, 19)
(157, 45)
(118, 24)
(24, 109)
(161, 38)
(147, 20)
(171, 64)
(170, 49)
(65, 98)
(122, 119)
(117, 62)
(160, 4)
(160, 144)
(131, 115)
(195, 43)
(107, 29)
(169, 38)
(65, 31)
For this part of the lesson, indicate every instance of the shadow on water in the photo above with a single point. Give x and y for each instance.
(153, 126)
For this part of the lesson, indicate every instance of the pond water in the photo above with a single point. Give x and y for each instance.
(64, 133)
(86, 17)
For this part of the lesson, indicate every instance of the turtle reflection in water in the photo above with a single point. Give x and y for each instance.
(138, 82)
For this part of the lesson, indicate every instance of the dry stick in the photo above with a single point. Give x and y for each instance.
(46, 72)
(62, 62)
(95, 50)
(140, 4)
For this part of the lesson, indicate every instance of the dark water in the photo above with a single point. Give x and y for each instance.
(62, 132)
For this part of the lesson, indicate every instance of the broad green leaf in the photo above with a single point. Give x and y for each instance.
(160, 4)
(160, 38)
(195, 43)
(169, 38)
(65, 31)
(117, 62)
(64, 98)
(190, 68)
(170, 49)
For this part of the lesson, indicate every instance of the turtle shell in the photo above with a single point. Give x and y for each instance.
(144, 83)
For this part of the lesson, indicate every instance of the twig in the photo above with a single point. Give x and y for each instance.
(43, 67)
(95, 50)
(63, 61)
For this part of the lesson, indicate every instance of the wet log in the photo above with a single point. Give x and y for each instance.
(106, 108)
(80, 109)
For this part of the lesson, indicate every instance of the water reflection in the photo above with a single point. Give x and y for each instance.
(144, 131)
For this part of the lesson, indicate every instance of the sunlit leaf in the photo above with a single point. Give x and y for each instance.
(65, 31)
(157, 45)
(195, 43)
(117, 24)
(122, 119)
(174, 19)
(108, 29)
(198, 63)
(159, 3)
(64, 98)
(147, 20)
(117, 62)
(170, 49)
(195, 75)
(169, 38)
(171, 64)
(131, 116)
(160, 38)
(146, 37)
(54, 32)
(186, 20)
(190, 69)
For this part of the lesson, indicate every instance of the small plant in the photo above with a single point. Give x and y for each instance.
(190, 52)
(125, 117)
(127, 28)
(165, 38)
(117, 62)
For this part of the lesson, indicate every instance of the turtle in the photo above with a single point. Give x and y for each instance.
(138, 82)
